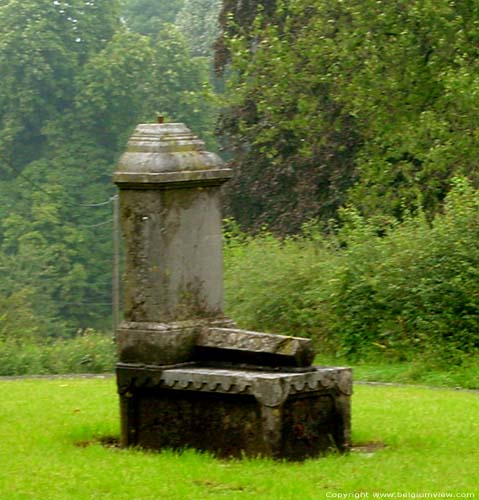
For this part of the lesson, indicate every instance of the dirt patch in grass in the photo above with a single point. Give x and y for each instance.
(213, 485)
(106, 441)
(114, 442)
(369, 447)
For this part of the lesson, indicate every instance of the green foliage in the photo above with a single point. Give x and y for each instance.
(413, 61)
(364, 291)
(293, 145)
(369, 102)
(184, 92)
(236, 17)
(42, 45)
(88, 352)
(148, 17)
(198, 21)
(17, 319)
(113, 86)
(265, 282)
(74, 81)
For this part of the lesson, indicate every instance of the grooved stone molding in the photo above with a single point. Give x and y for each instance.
(269, 388)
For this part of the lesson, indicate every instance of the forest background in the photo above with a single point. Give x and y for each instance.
(352, 128)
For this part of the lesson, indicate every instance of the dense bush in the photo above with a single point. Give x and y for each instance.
(409, 289)
(90, 352)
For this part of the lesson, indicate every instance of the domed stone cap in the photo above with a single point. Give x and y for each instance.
(169, 154)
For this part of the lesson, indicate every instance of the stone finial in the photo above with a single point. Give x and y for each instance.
(168, 155)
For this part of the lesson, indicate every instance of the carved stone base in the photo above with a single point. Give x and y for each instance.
(236, 412)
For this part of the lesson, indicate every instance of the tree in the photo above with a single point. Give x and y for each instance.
(406, 70)
(43, 47)
(360, 102)
(43, 44)
(237, 18)
(198, 22)
(147, 17)
(70, 98)
(293, 146)
(182, 84)
(180, 80)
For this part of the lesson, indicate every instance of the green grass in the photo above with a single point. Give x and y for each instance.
(430, 439)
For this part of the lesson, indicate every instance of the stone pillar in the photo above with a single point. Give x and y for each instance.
(171, 219)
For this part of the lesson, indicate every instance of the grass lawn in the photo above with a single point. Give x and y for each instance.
(50, 432)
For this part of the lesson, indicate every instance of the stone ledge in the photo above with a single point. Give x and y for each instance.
(271, 389)
(151, 343)
(172, 180)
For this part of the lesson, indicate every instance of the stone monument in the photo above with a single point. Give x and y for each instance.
(187, 376)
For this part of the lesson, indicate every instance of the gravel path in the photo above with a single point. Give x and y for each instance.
(111, 375)
(59, 377)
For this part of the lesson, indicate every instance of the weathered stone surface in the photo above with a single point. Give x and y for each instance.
(161, 155)
(160, 343)
(243, 346)
(291, 416)
(212, 422)
(171, 219)
(270, 388)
